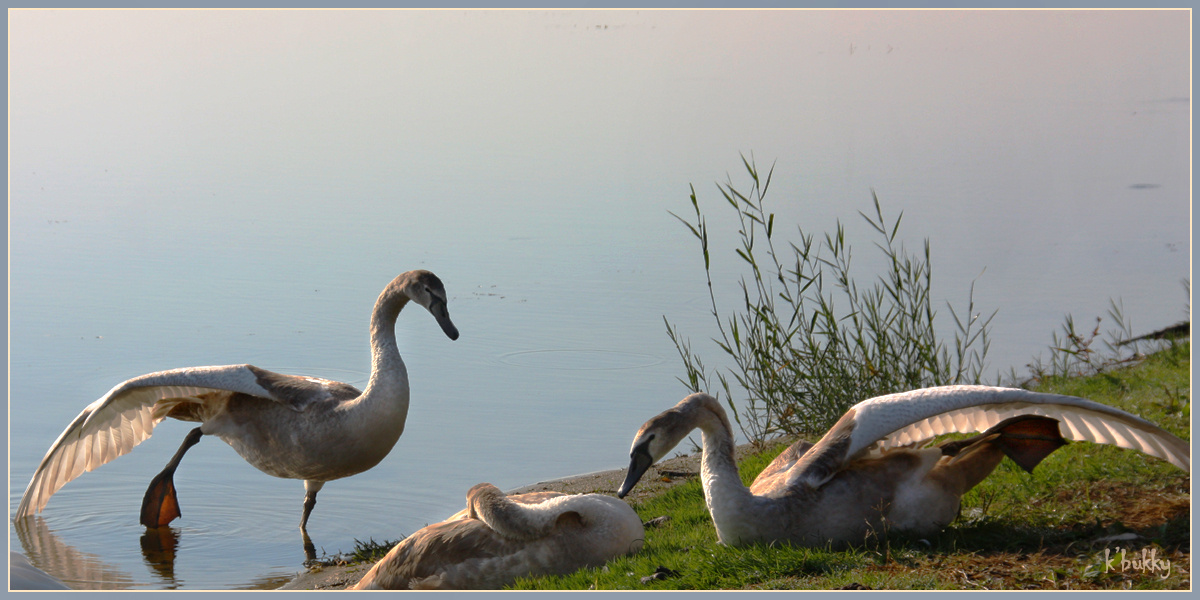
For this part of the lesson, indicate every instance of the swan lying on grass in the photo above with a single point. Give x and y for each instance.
(866, 471)
(499, 538)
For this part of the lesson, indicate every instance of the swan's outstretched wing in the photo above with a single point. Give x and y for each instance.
(126, 415)
(913, 417)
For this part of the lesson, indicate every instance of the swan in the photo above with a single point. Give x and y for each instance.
(293, 427)
(866, 471)
(499, 538)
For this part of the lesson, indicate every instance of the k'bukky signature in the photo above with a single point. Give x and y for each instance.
(1147, 562)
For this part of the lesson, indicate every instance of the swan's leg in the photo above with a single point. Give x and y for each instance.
(310, 500)
(965, 466)
(933, 502)
(160, 505)
(1027, 439)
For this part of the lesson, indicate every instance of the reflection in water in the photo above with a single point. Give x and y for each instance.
(158, 548)
(546, 196)
(310, 549)
(266, 582)
(79, 570)
(86, 571)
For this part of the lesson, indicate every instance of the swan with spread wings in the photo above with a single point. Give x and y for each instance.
(867, 471)
(288, 426)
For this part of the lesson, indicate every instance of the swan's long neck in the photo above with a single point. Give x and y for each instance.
(389, 378)
(730, 502)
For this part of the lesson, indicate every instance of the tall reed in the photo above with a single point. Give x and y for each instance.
(809, 340)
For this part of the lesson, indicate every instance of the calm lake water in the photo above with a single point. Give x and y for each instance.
(216, 187)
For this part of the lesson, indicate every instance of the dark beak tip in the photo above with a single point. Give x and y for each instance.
(448, 327)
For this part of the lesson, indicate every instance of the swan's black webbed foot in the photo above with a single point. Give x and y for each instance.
(160, 505)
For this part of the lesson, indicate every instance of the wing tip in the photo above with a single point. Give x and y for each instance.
(30, 504)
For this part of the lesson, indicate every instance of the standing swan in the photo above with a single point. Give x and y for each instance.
(858, 476)
(287, 426)
(499, 538)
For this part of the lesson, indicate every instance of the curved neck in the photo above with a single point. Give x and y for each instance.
(729, 500)
(388, 375)
(506, 517)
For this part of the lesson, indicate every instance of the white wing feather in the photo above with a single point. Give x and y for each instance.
(122, 419)
(914, 417)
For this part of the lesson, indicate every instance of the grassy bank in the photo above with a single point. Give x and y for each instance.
(1085, 519)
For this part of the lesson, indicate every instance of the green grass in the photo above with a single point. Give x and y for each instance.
(1015, 530)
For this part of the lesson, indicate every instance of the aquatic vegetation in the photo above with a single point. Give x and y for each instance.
(809, 340)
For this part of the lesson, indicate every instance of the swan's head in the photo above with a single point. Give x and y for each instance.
(426, 289)
(659, 435)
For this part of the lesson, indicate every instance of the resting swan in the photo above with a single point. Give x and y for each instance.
(866, 471)
(499, 538)
(287, 426)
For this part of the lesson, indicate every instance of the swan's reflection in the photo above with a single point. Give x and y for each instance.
(310, 549)
(79, 570)
(85, 571)
(158, 549)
